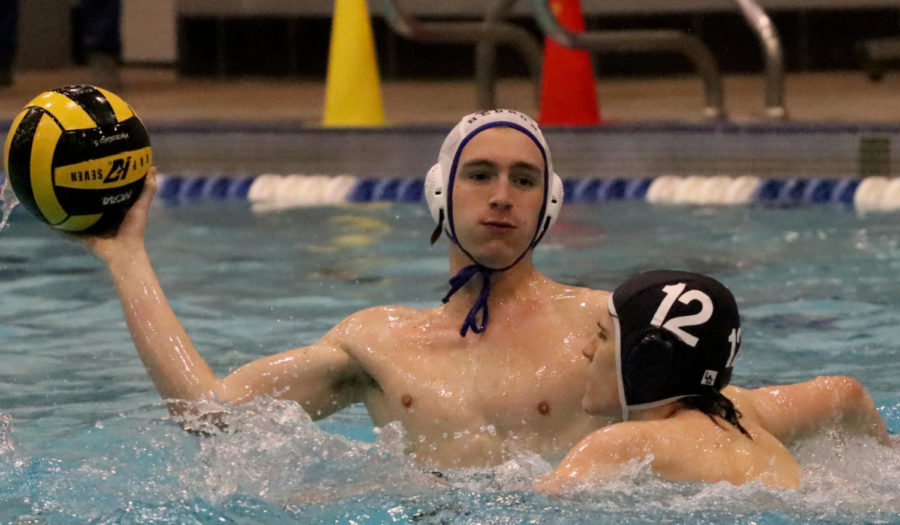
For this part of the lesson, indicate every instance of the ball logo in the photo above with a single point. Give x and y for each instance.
(116, 199)
(113, 138)
(118, 171)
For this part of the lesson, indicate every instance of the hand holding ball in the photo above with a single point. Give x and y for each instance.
(77, 157)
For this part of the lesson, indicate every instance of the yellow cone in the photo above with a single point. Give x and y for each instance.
(352, 91)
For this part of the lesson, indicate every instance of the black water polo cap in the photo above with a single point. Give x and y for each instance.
(678, 334)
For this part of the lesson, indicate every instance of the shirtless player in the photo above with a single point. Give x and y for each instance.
(497, 367)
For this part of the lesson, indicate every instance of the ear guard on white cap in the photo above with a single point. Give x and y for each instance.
(553, 205)
(436, 198)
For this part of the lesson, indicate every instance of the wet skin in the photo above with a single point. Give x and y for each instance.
(469, 401)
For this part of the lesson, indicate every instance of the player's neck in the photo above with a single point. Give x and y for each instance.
(516, 281)
(656, 413)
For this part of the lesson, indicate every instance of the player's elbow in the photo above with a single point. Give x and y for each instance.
(855, 409)
(847, 391)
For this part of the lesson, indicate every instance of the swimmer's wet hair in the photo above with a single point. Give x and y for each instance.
(716, 405)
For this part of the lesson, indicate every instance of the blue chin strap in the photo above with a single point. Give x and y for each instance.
(481, 303)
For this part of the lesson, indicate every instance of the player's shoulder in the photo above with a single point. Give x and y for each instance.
(378, 327)
(389, 314)
(580, 300)
(577, 292)
(626, 437)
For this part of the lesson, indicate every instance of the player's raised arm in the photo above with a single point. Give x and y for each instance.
(316, 376)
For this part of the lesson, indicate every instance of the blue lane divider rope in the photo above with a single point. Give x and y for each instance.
(871, 193)
(410, 190)
(814, 191)
(176, 189)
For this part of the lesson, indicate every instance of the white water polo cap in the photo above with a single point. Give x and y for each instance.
(440, 178)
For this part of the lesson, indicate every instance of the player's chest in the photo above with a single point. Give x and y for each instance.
(490, 384)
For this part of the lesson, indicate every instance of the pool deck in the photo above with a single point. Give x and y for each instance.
(162, 97)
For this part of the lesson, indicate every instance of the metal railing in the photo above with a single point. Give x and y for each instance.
(772, 55)
(494, 31)
(486, 35)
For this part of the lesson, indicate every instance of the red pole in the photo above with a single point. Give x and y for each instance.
(568, 87)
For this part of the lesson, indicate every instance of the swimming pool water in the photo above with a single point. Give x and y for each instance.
(85, 438)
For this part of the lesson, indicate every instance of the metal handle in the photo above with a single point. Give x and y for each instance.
(774, 58)
(485, 34)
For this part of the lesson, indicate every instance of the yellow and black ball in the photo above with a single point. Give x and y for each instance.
(77, 158)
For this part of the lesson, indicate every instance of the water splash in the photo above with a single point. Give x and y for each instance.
(272, 449)
(6, 431)
(9, 202)
(268, 461)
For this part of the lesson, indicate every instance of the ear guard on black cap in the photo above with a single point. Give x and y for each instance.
(653, 355)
